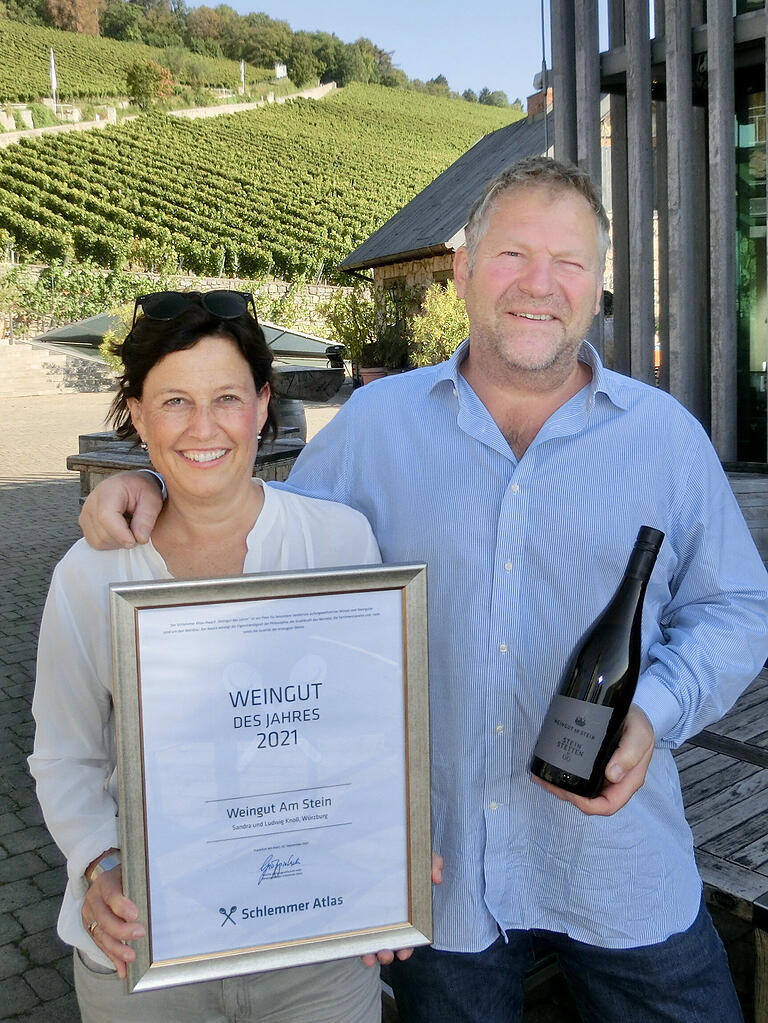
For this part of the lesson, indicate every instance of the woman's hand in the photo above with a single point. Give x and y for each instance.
(386, 955)
(115, 918)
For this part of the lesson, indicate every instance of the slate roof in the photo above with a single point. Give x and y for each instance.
(428, 224)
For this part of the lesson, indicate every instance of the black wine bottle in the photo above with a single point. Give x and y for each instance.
(584, 721)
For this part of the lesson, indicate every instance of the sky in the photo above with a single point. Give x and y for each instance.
(475, 45)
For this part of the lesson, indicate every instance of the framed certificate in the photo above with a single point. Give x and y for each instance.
(273, 757)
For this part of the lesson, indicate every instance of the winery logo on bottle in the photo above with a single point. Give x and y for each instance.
(580, 721)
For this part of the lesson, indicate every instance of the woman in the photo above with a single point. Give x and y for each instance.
(196, 389)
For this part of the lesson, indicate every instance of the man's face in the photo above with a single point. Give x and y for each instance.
(536, 282)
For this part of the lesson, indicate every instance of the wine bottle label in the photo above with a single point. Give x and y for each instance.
(572, 734)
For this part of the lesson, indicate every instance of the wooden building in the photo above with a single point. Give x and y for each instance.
(687, 85)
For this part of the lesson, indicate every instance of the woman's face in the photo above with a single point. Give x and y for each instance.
(200, 415)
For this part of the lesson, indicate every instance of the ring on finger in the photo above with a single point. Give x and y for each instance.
(92, 927)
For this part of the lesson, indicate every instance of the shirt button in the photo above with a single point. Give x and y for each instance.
(493, 805)
(514, 488)
(499, 728)
(502, 648)
(507, 566)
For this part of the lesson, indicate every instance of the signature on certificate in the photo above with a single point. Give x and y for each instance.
(274, 867)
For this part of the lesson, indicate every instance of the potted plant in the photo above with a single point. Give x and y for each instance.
(375, 348)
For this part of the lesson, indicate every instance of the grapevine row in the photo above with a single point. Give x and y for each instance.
(289, 188)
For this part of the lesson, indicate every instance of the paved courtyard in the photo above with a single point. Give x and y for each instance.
(38, 512)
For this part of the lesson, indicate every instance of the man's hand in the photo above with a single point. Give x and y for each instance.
(102, 518)
(386, 955)
(625, 772)
(111, 919)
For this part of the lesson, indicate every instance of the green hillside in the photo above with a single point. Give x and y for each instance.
(87, 66)
(287, 190)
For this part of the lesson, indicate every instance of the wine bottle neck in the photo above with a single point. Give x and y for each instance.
(641, 564)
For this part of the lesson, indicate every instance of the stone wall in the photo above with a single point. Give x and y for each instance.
(415, 273)
(307, 317)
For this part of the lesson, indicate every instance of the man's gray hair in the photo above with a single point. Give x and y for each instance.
(541, 172)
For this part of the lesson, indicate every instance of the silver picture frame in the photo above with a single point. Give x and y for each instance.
(348, 613)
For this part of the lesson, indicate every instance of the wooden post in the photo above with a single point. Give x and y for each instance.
(564, 79)
(761, 976)
(662, 218)
(640, 189)
(619, 207)
(587, 73)
(684, 354)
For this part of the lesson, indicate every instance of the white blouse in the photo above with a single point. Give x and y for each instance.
(73, 761)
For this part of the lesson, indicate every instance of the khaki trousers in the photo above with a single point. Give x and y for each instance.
(343, 991)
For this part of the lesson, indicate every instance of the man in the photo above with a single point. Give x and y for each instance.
(520, 471)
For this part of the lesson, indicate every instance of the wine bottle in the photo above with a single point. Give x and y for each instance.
(584, 721)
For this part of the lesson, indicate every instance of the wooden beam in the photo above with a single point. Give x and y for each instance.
(587, 74)
(749, 31)
(587, 71)
(662, 218)
(699, 298)
(722, 230)
(564, 78)
(684, 355)
(620, 211)
(640, 189)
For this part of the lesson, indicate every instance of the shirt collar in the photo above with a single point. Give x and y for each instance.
(603, 381)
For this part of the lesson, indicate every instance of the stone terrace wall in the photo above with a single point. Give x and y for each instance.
(312, 297)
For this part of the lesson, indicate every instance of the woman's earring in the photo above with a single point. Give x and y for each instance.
(143, 446)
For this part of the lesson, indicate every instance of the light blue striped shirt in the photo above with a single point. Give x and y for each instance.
(522, 556)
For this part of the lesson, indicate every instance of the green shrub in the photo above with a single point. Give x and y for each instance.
(351, 320)
(440, 327)
(148, 81)
(42, 116)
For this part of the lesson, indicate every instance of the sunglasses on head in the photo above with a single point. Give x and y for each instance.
(167, 305)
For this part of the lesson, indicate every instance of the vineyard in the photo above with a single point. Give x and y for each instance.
(287, 190)
(88, 66)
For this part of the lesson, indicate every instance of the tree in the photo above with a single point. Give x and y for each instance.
(493, 99)
(303, 67)
(148, 81)
(232, 32)
(204, 25)
(328, 50)
(469, 96)
(358, 63)
(159, 27)
(76, 15)
(265, 41)
(438, 86)
(120, 20)
(29, 12)
(395, 79)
